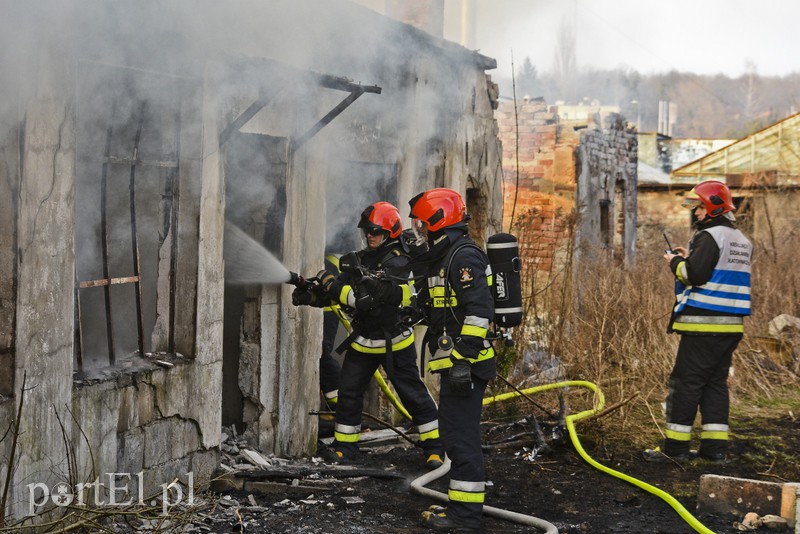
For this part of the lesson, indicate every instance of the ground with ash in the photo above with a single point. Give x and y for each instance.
(559, 487)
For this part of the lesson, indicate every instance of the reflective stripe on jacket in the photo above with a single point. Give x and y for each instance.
(726, 292)
(448, 312)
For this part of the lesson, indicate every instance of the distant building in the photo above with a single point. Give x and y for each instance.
(762, 170)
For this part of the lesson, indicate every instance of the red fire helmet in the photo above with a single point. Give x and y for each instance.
(438, 208)
(715, 196)
(381, 216)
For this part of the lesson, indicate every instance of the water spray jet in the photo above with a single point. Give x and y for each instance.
(248, 262)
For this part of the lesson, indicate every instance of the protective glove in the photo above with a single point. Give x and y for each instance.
(460, 378)
(308, 296)
(302, 296)
(326, 279)
(363, 295)
(381, 291)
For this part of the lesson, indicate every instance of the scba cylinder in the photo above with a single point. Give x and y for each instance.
(503, 252)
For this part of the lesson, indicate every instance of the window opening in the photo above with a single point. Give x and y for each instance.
(121, 234)
(605, 223)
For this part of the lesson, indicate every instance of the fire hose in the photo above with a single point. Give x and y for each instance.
(417, 485)
(335, 308)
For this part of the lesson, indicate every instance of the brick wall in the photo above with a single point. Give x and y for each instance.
(552, 164)
(538, 177)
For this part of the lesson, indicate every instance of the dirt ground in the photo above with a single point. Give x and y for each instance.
(559, 487)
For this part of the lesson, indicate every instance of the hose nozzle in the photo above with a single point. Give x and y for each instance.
(296, 280)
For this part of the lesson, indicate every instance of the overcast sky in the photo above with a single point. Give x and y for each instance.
(700, 36)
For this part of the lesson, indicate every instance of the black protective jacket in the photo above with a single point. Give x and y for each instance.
(457, 301)
(384, 319)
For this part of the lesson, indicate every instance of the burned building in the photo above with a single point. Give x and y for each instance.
(571, 183)
(129, 134)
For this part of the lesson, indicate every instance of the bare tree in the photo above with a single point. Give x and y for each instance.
(566, 63)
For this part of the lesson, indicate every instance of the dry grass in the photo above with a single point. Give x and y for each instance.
(607, 324)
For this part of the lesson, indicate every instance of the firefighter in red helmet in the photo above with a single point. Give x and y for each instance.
(378, 336)
(712, 288)
(459, 309)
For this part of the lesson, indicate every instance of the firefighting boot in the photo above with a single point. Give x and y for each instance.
(434, 461)
(658, 456)
(435, 518)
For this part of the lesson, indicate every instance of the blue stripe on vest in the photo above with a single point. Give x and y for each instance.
(722, 294)
(738, 278)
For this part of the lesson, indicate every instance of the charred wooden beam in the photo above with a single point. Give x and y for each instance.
(242, 119)
(173, 256)
(324, 121)
(104, 241)
(135, 236)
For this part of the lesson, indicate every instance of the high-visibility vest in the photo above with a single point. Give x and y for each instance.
(727, 291)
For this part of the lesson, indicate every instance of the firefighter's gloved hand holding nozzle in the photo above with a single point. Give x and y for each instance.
(311, 291)
(382, 291)
(307, 296)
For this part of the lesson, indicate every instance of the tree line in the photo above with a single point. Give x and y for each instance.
(707, 106)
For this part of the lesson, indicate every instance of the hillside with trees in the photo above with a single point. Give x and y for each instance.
(707, 106)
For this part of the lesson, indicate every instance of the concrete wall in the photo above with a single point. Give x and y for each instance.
(45, 263)
(432, 125)
(142, 423)
(9, 184)
(607, 181)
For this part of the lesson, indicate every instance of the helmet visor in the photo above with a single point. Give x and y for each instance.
(420, 231)
(691, 203)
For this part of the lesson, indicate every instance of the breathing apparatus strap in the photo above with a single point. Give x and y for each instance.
(354, 333)
(448, 262)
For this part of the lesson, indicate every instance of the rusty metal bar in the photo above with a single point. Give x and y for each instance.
(108, 281)
(173, 256)
(135, 236)
(112, 357)
(324, 121)
(242, 119)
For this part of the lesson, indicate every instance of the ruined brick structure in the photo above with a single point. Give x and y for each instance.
(575, 179)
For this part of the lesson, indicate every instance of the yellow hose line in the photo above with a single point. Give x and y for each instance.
(394, 400)
(337, 309)
(573, 434)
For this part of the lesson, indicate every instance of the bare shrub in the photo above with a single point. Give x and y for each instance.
(607, 325)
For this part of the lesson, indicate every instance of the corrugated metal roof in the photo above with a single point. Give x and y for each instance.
(649, 175)
(775, 148)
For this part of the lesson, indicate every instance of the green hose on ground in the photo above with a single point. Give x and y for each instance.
(599, 404)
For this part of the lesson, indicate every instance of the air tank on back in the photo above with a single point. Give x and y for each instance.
(503, 252)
